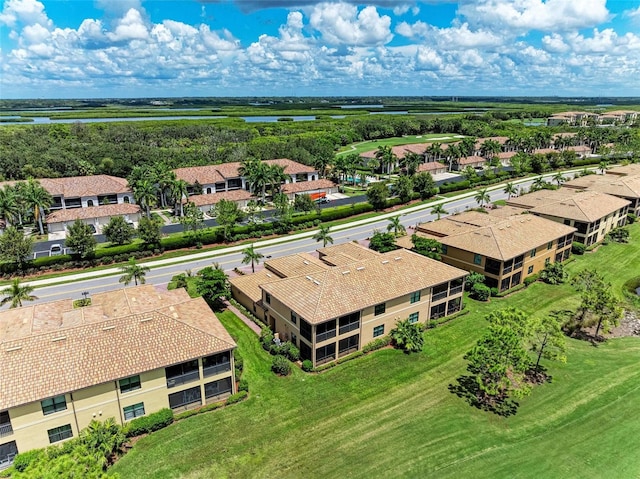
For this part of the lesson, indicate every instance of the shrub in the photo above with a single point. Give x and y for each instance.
(408, 336)
(494, 291)
(529, 280)
(237, 397)
(480, 292)
(24, 459)
(238, 360)
(378, 343)
(619, 235)
(266, 338)
(631, 218)
(553, 273)
(281, 365)
(307, 365)
(243, 385)
(473, 279)
(150, 423)
(578, 248)
(290, 351)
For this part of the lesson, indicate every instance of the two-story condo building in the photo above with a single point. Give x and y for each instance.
(131, 352)
(625, 187)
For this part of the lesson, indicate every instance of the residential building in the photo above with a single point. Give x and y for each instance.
(433, 167)
(631, 169)
(504, 246)
(226, 176)
(87, 191)
(331, 310)
(130, 353)
(626, 187)
(207, 202)
(573, 118)
(618, 117)
(593, 214)
(315, 188)
(95, 216)
(476, 162)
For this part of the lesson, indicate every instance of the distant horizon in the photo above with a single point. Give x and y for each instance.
(92, 49)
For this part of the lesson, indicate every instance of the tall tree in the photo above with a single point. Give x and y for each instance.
(16, 293)
(323, 235)
(80, 239)
(510, 189)
(256, 174)
(250, 255)
(386, 157)
(193, 220)
(39, 200)
(118, 231)
(404, 188)
(547, 339)
(8, 204)
(150, 230)
(377, 195)
(213, 285)
(133, 272)
(145, 194)
(424, 185)
(228, 214)
(15, 247)
(178, 192)
(277, 177)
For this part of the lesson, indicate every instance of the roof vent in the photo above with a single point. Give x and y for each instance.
(385, 261)
(398, 258)
(13, 348)
(108, 328)
(360, 268)
(316, 281)
(144, 320)
(309, 278)
(305, 262)
(59, 338)
(346, 272)
(269, 275)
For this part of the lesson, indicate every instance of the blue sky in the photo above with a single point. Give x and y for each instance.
(164, 48)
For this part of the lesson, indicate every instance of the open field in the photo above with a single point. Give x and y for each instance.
(391, 415)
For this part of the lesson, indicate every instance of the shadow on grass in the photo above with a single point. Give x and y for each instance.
(467, 389)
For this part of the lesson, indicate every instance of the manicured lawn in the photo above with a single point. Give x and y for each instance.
(391, 415)
(404, 140)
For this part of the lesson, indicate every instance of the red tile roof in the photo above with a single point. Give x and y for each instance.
(92, 212)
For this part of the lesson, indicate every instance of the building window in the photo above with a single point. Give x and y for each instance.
(438, 311)
(453, 306)
(380, 309)
(182, 373)
(294, 339)
(305, 330)
(305, 351)
(60, 433)
(89, 202)
(216, 364)
(126, 199)
(326, 353)
(443, 248)
(56, 404)
(349, 322)
(134, 411)
(294, 318)
(326, 331)
(547, 261)
(413, 317)
(129, 384)
(415, 297)
(185, 398)
(267, 298)
(477, 259)
(533, 253)
(550, 245)
(217, 388)
(348, 345)
(378, 331)
(530, 270)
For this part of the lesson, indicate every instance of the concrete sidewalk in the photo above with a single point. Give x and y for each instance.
(253, 326)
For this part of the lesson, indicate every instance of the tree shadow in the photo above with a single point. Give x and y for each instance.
(467, 389)
(538, 376)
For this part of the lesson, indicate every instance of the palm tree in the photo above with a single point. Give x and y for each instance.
(39, 199)
(166, 183)
(396, 226)
(16, 293)
(538, 183)
(8, 204)
(438, 210)
(386, 157)
(510, 189)
(256, 174)
(482, 197)
(435, 151)
(251, 256)
(559, 178)
(133, 271)
(323, 235)
(179, 190)
(410, 162)
(276, 176)
(603, 166)
(145, 194)
(490, 148)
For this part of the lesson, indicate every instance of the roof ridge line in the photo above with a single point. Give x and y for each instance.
(159, 312)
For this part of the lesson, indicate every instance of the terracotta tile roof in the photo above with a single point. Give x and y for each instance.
(544, 151)
(302, 186)
(500, 139)
(507, 155)
(506, 238)
(431, 166)
(351, 250)
(580, 149)
(631, 169)
(54, 348)
(218, 173)
(205, 175)
(444, 228)
(249, 284)
(344, 289)
(472, 160)
(295, 265)
(213, 198)
(586, 206)
(102, 211)
(77, 186)
(506, 211)
(622, 186)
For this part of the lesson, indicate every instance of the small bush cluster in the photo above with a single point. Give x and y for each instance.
(378, 343)
(236, 398)
(554, 273)
(529, 280)
(480, 292)
(307, 365)
(578, 248)
(286, 348)
(281, 365)
(150, 423)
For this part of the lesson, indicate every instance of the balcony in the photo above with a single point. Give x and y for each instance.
(349, 327)
(216, 369)
(6, 429)
(439, 296)
(183, 379)
(455, 290)
(344, 352)
(326, 335)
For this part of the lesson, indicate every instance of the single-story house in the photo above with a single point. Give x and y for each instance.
(312, 188)
(96, 216)
(205, 202)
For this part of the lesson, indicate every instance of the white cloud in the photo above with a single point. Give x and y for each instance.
(129, 27)
(554, 43)
(27, 12)
(343, 24)
(634, 14)
(549, 15)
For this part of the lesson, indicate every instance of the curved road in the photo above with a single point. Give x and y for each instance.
(163, 270)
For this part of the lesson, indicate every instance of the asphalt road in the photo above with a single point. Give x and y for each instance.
(162, 274)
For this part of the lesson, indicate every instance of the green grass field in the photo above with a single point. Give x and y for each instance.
(391, 415)
(404, 140)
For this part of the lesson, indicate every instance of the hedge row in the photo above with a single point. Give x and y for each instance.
(150, 423)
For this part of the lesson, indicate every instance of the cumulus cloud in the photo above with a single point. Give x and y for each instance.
(549, 15)
(340, 23)
(26, 12)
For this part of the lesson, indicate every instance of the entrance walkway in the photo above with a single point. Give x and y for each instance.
(253, 326)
